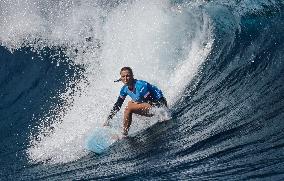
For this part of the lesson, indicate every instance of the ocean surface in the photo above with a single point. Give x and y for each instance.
(219, 63)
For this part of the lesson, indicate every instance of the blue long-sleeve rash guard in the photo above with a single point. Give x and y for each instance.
(142, 92)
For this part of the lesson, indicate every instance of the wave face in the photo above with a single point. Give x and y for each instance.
(219, 64)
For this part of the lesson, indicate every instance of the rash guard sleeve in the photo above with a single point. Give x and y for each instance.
(123, 92)
(116, 107)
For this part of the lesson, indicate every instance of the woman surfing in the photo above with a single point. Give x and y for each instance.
(144, 97)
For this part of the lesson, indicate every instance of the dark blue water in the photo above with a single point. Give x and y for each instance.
(227, 125)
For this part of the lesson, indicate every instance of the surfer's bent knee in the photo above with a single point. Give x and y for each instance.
(128, 108)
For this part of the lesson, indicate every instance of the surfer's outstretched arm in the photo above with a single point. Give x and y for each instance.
(114, 110)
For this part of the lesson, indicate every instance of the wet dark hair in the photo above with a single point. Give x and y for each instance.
(126, 68)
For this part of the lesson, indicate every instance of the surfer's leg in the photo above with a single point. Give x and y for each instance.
(127, 120)
(137, 108)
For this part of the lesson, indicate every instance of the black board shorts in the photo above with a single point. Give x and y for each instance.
(159, 103)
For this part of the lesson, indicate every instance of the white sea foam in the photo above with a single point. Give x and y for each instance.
(165, 44)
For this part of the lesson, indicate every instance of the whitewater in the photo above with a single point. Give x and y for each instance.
(219, 64)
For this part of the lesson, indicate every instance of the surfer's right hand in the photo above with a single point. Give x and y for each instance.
(106, 123)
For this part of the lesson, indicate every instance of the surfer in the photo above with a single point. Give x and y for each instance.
(144, 96)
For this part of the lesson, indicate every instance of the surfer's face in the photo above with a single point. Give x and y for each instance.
(126, 77)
